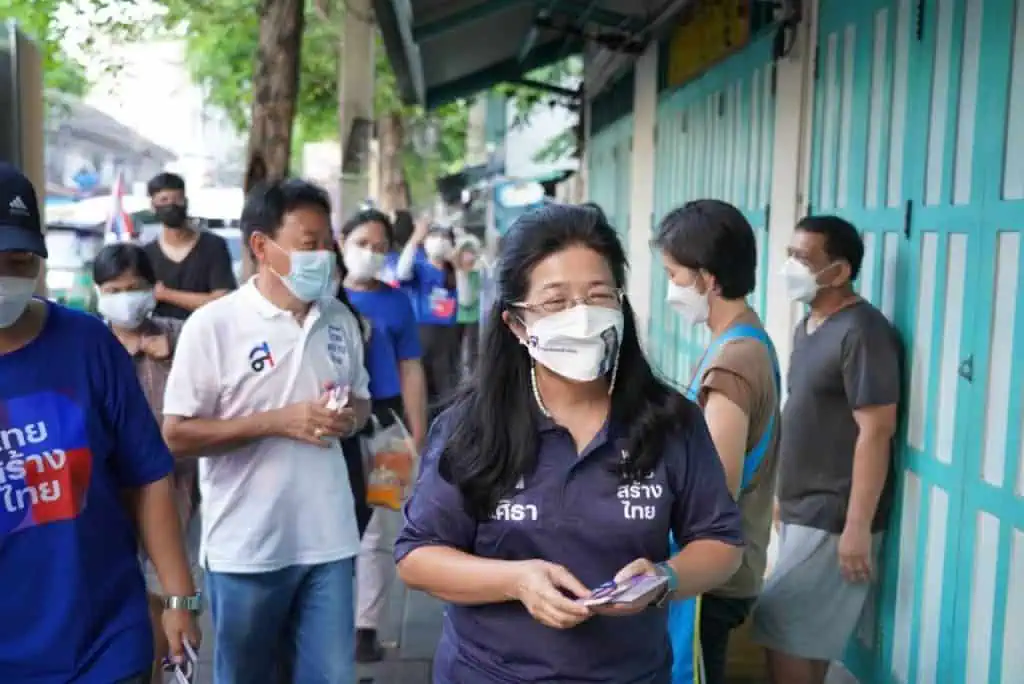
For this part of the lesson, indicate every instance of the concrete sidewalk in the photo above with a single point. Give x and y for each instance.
(410, 635)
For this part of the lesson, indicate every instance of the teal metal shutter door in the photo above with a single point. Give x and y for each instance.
(919, 119)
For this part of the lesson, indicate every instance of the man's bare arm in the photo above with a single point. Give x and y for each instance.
(871, 457)
(200, 436)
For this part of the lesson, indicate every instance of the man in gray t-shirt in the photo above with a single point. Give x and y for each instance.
(835, 485)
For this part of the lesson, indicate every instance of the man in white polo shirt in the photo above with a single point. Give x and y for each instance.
(266, 381)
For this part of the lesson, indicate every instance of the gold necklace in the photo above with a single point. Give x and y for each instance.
(536, 391)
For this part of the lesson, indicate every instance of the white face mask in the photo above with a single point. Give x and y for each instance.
(581, 343)
(15, 294)
(437, 247)
(362, 263)
(688, 302)
(126, 309)
(801, 282)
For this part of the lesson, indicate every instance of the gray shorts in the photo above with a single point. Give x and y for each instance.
(807, 608)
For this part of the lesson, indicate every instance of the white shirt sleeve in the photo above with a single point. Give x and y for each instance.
(193, 385)
(405, 268)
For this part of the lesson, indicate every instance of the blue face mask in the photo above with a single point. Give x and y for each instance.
(311, 276)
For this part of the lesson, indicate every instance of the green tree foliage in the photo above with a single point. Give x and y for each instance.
(435, 141)
(221, 37)
(567, 73)
(38, 19)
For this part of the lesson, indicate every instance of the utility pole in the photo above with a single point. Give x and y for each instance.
(355, 102)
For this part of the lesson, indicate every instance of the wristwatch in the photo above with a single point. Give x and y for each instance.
(193, 604)
(666, 570)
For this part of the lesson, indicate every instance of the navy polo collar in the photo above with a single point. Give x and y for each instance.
(609, 434)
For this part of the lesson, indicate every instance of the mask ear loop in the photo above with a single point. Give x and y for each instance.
(615, 369)
(523, 341)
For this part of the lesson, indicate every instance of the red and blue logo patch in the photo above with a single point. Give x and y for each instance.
(45, 461)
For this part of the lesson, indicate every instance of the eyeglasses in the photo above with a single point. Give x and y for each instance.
(608, 298)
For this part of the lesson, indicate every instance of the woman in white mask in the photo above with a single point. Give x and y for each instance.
(468, 267)
(426, 270)
(124, 280)
(397, 388)
(564, 465)
(709, 252)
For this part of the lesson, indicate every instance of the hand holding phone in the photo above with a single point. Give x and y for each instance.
(633, 590)
(187, 671)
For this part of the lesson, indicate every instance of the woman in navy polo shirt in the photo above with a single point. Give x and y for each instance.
(397, 387)
(430, 275)
(564, 464)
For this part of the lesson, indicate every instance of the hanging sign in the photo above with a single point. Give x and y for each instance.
(711, 31)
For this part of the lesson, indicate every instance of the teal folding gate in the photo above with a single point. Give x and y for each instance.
(919, 116)
(609, 165)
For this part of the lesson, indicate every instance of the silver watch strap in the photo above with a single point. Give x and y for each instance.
(193, 604)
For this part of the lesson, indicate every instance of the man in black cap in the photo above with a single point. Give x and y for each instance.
(76, 436)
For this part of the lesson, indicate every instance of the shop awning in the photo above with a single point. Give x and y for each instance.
(442, 50)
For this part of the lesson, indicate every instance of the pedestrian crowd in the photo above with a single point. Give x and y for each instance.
(244, 448)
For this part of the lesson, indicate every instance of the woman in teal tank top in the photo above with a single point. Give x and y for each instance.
(709, 252)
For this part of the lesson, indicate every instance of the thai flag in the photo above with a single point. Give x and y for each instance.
(120, 227)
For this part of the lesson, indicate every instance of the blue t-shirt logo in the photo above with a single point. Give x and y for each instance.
(45, 461)
(260, 357)
(442, 304)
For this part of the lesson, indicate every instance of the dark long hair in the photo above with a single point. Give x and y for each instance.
(494, 441)
(369, 216)
(341, 295)
(403, 228)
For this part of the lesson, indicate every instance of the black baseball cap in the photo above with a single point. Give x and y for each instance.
(21, 226)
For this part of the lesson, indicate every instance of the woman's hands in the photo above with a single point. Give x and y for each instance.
(539, 587)
(641, 566)
(542, 586)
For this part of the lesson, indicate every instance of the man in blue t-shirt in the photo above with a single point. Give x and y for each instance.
(83, 473)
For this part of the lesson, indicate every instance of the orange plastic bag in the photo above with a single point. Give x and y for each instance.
(392, 465)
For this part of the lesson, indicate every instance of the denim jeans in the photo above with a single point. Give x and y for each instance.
(298, 620)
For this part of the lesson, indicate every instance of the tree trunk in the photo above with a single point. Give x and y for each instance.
(391, 136)
(275, 87)
(276, 83)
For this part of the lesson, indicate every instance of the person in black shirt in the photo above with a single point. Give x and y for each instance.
(192, 266)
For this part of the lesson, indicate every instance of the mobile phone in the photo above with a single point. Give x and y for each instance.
(633, 589)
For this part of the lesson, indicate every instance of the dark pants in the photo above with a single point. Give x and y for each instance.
(441, 346)
(469, 334)
(718, 617)
(384, 410)
(357, 474)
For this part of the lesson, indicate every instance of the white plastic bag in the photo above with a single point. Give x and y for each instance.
(391, 464)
